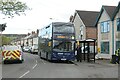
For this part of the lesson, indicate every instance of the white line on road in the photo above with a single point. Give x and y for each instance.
(24, 74)
(34, 66)
(43, 62)
(36, 61)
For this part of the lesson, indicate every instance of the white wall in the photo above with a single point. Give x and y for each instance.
(77, 23)
(103, 37)
(117, 34)
(35, 40)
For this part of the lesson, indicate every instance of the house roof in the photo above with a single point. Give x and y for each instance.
(33, 36)
(109, 9)
(88, 17)
(27, 37)
(116, 11)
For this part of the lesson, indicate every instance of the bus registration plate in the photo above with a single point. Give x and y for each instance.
(60, 53)
(63, 59)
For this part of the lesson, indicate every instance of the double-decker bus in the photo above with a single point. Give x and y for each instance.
(57, 41)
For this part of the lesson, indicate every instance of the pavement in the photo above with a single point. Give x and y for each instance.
(0, 58)
(0, 72)
(97, 62)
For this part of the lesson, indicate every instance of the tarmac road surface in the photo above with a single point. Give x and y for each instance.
(34, 67)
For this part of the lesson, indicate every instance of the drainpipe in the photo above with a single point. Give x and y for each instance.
(113, 38)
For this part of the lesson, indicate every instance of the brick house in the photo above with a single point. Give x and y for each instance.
(84, 22)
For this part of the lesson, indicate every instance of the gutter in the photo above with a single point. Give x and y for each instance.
(113, 38)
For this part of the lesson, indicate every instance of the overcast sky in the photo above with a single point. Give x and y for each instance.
(43, 10)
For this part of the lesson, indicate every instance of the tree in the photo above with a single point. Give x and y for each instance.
(12, 7)
(6, 40)
(2, 27)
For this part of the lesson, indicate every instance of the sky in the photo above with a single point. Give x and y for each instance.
(43, 12)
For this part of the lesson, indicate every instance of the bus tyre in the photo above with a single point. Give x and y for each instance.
(47, 56)
(40, 55)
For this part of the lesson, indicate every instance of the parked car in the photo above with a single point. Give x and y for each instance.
(26, 48)
(34, 48)
(12, 53)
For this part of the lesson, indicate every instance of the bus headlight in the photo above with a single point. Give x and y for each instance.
(73, 37)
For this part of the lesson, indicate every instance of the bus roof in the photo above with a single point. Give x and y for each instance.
(61, 23)
(57, 23)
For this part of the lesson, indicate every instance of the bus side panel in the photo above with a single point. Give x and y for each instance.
(45, 42)
(43, 55)
(49, 56)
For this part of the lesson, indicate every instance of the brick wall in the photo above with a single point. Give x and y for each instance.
(91, 32)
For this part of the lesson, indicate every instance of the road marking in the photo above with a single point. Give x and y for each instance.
(24, 74)
(34, 66)
(36, 61)
(74, 63)
(43, 62)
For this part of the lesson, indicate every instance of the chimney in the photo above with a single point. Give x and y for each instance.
(71, 18)
(37, 31)
(28, 34)
(33, 32)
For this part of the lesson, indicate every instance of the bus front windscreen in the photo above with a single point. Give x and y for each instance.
(63, 46)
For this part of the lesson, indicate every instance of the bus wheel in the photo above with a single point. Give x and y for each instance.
(47, 56)
(40, 55)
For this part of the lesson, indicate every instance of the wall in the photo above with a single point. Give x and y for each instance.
(103, 37)
(116, 33)
(35, 40)
(77, 23)
(91, 32)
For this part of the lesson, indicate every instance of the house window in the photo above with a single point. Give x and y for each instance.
(105, 47)
(117, 45)
(105, 27)
(81, 32)
(118, 24)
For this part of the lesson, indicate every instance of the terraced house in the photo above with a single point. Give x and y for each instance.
(108, 26)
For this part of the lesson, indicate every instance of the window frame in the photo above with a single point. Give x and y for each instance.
(105, 27)
(118, 22)
(117, 44)
(103, 46)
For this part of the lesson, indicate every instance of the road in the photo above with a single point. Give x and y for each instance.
(34, 67)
